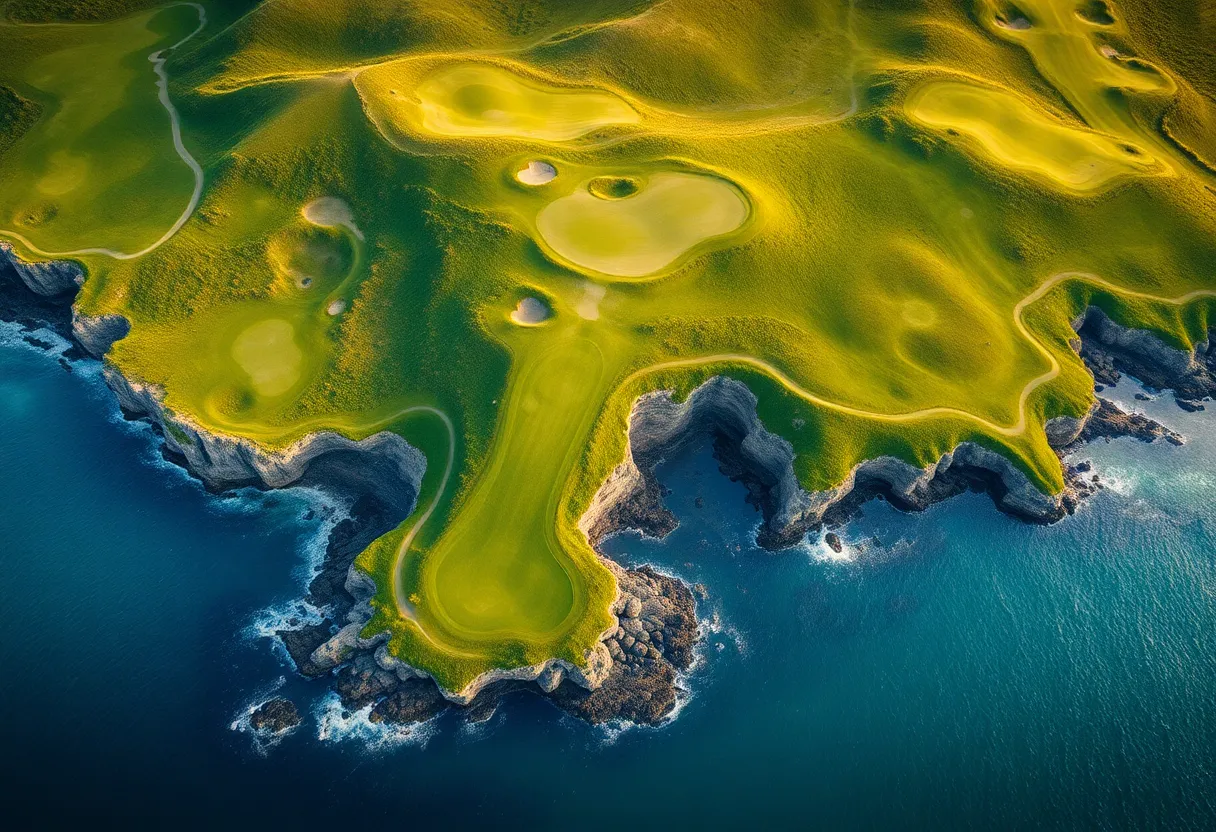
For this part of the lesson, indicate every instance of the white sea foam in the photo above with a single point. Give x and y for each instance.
(336, 724)
(13, 334)
(819, 550)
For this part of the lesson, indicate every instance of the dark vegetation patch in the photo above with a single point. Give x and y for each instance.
(76, 11)
(613, 187)
(17, 115)
(1096, 12)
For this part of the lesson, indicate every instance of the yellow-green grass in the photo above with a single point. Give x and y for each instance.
(875, 296)
(98, 168)
(484, 100)
(1014, 133)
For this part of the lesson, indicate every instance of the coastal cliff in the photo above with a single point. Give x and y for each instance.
(48, 278)
(634, 672)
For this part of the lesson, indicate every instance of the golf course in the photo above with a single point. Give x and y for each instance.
(490, 226)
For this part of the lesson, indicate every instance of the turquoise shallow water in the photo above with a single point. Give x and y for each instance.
(968, 671)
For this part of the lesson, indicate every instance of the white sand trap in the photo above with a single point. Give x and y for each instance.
(589, 307)
(530, 312)
(331, 212)
(1018, 24)
(336, 307)
(536, 173)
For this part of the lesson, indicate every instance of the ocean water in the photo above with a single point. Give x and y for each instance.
(953, 668)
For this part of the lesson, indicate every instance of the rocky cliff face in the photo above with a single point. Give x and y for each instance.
(97, 333)
(48, 278)
(1109, 349)
(384, 464)
(724, 410)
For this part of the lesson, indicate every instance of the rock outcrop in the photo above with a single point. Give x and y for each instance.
(97, 333)
(1108, 421)
(651, 646)
(275, 716)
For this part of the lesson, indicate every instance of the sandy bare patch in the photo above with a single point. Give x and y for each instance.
(589, 307)
(530, 312)
(331, 212)
(536, 173)
(336, 307)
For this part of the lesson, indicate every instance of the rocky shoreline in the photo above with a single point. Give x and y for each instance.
(635, 673)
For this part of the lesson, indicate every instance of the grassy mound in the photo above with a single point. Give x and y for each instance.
(882, 217)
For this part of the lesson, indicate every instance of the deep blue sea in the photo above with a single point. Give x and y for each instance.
(955, 668)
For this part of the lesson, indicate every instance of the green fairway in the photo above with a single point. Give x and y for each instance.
(98, 169)
(490, 226)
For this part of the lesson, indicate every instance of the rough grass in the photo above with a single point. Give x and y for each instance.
(17, 115)
(878, 270)
(74, 11)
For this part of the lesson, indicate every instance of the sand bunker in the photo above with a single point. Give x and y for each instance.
(645, 232)
(336, 307)
(331, 212)
(530, 312)
(267, 351)
(536, 173)
(484, 100)
(1016, 135)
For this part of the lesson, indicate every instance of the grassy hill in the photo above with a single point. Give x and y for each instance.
(841, 204)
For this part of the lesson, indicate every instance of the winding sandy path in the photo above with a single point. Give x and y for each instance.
(158, 59)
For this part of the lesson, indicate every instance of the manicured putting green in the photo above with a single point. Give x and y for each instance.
(483, 100)
(645, 231)
(268, 352)
(1016, 135)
